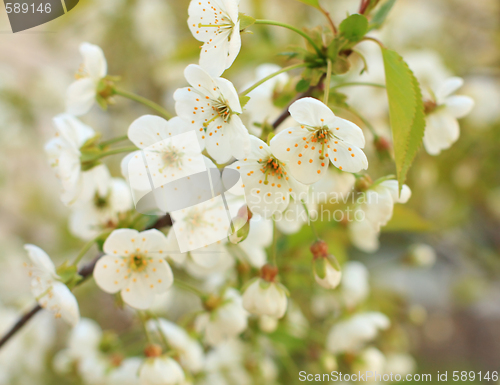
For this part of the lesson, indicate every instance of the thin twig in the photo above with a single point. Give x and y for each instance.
(285, 114)
(85, 272)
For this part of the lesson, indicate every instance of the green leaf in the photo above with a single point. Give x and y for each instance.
(406, 111)
(312, 3)
(354, 27)
(303, 85)
(245, 21)
(381, 14)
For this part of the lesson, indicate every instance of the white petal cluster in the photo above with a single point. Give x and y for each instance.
(78, 185)
(225, 321)
(216, 24)
(134, 265)
(52, 294)
(267, 181)
(352, 334)
(265, 298)
(211, 107)
(442, 129)
(374, 212)
(161, 371)
(82, 93)
(111, 198)
(190, 350)
(320, 139)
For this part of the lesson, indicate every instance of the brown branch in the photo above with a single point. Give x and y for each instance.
(285, 114)
(85, 272)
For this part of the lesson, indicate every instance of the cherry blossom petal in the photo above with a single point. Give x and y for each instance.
(148, 130)
(214, 54)
(284, 144)
(201, 81)
(441, 131)
(63, 303)
(80, 96)
(151, 243)
(94, 60)
(459, 106)
(348, 132)
(230, 94)
(40, 260)
(238, 137)
(347, 157)
(218, 147)
(447, 88)
(311, 112)
(120, 243)
(111, 273)
(73, 130)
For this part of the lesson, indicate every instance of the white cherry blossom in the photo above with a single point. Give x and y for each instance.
(331, 273)
(442, 129)
(169, 154)
(267, 181)
(352, 334)
(51, 294)
(374, 212)
(134, 264)
(82, 93)
(190, 350)
(355, 286)
(216, 24)
(78, 184)
(211, 105)
(161, 371)
(265, 298)
(321, 137)
(226, 320)
(110, 200)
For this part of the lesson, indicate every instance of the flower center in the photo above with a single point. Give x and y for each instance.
(137, 262)
(101, 202)
(273, 167)
(322, 135)
(172, 157)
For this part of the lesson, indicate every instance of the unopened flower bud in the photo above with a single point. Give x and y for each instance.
(327, 271)
(264, 296)
(153, 350)
(242, 225)
(363, 183)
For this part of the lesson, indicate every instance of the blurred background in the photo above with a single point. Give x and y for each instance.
(437, 272)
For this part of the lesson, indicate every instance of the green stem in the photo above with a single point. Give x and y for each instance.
(188, 287)
(142, 317)
(112, 141)
(328, 81)
(86, 248)
(363, 119)
(292, 28)
(374, 40)
(144, 101)
(248, 90)
(111, 152)
(350, 84)
(275, 242)
(311, 224)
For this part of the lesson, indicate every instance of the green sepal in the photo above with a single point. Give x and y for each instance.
(244, 100)
(354, 28)
(312, 3)
(264, 285)
(282, 287)
(245, 21)
(248, 283)
(333, 262)
(319, 267)
(242, 233)
(66, 273)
